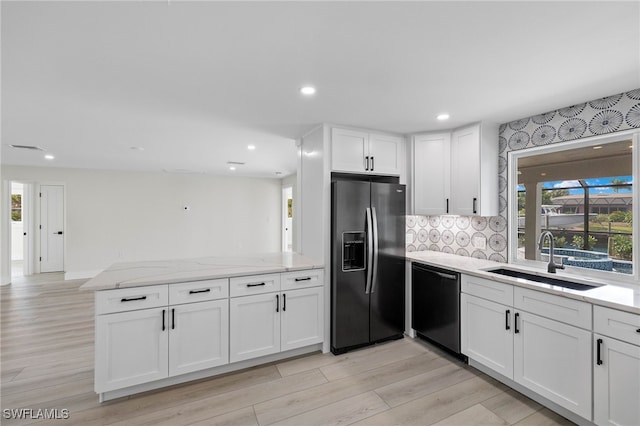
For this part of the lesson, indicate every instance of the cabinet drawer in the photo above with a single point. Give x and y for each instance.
(131, 299)
(198, 291)
(559, 308)
(488, 289)
(302, 279)
(254, 284)
(617, 324)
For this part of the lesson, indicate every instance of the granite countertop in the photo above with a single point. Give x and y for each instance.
(136, 274)
(621, 296)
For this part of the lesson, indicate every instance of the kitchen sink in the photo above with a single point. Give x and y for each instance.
(544, 279)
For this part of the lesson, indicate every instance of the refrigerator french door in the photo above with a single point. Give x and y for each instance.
(367, 263)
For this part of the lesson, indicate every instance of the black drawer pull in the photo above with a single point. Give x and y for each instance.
(598, 354)
(284, 302)
(173, 319)
(256, 285)
(475, 200)
(507, 326)
(163, 326)
(132, 299)
(516, 329)
(277, 303)
(303, 279)
(207, 290)
(638, 330)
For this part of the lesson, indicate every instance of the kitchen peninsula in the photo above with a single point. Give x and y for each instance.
(160, 323)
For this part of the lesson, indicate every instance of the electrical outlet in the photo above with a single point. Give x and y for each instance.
(479, 242)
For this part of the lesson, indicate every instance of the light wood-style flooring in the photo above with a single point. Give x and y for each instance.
(47, 362)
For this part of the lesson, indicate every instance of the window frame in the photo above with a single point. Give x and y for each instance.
(512, 204)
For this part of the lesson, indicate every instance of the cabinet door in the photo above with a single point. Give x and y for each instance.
(348, 150)
(386, 154)
(431, 170)
(465, 171)
(131, 348)
(302, 318)
(487, 333)
(554, 360)
(616, 382)
(254, 328)
(199, 336)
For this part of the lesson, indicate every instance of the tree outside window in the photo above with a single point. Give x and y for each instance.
(16, 207)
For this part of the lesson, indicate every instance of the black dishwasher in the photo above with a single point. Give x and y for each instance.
(435, 305)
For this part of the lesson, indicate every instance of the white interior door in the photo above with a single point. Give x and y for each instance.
(51, 228)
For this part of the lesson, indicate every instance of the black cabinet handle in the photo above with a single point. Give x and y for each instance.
(638, 330)
(447, 205)
(366, 162)
(303, 279)
(515, 325)
(132, 299)
(475, 201)
(372, 164)
(598, 354)
(206, 290)
(256, 285)
(57, 233)
(163, 325)
(507, 326)
(284, 302)
(173, 319)
(277, 303)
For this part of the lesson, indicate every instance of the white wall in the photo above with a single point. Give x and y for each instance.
(114, 216)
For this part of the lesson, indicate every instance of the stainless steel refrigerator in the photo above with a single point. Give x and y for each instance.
(367, 262)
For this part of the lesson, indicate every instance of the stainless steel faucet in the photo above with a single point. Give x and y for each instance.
(551, 267)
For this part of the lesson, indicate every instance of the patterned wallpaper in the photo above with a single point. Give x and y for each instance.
(464, 235)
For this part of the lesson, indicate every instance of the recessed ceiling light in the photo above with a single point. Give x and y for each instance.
(308, 90)
(251, 147)
(543, 174)
(136, 148)
(49, 157)
(443, 116)
(232, 168)
(597, 147)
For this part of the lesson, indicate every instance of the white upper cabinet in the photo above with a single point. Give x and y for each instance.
(355, 151)
(474, 170)
(431, 171)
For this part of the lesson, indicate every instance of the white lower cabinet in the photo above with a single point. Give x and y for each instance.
(131, 348)
(151, 344)
(549, 357)
(616, 382)
(554, 360)
(198, 336)
(486, 335)
(265, 324)
(616, 370)
(254, 326)
(302, 319)
(151, 333)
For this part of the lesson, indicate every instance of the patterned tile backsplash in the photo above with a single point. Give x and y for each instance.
(475, 236)
(486, 237)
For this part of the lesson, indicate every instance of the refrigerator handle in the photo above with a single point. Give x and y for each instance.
(369, 265)
(374, 274)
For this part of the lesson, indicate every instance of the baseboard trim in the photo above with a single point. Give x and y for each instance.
(81, 275)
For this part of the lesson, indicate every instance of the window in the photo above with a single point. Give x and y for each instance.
(583, 193)
(16, 207)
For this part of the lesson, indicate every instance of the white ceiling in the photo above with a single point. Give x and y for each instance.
(194, 83)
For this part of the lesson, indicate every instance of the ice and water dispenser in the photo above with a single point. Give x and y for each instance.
(353, 251)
